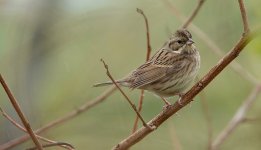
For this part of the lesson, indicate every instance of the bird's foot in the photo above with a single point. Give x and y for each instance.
(167, 104)
(180, 98)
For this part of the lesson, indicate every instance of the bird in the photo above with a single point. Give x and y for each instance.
(169, 72)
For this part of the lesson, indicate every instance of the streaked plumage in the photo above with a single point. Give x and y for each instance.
(170, 71)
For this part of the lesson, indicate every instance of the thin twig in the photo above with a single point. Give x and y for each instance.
(125, 96)
(244, 16)
(59, 121)
(194, 13)
(237, 119)
(67, 117)
(70, 147)
(20, 113)
(135, 125)
(211, 44)
(147, 33)
(235, 66)
(51, 145)
(188, 97)
(147, 58)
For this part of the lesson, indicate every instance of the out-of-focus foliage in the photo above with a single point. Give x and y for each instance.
(50, 52)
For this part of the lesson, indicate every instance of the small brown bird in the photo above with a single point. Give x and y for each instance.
(170, 71)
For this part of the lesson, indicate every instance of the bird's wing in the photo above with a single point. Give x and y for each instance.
(154, 70)
(149, 74)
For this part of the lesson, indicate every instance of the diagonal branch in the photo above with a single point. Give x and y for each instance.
(63, 119)
(188, 97)
(67, 146)
(125, 96)
(238, 118)
(194, 13)
(20, 113)
(211, 44)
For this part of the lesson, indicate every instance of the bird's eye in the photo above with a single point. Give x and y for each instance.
(179, 41)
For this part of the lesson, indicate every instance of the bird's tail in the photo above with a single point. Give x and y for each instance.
(109, 83)
(103, 84)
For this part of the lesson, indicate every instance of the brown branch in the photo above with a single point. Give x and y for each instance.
(188, 97)
(63, 119)
(214, 47)
(237, 119)
(20, 113)
(194, 13)
(52, 145)
(147, 33)
(67, 117)
(125, 96)
(135, 125)
(24, 130)
(244, 16)
(211, 44)
(147, 58)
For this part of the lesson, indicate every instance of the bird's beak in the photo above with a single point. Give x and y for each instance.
(190, 41)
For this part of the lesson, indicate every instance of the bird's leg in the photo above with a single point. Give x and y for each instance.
(165, 101)
(167, 104)
(180, 97)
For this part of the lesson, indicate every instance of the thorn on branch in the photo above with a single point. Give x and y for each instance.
(200, 84)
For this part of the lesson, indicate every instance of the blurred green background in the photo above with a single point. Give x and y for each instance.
(50, 56)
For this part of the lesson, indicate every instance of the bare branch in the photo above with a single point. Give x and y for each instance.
(147, 58)
(20, 113)
(238, 118)
(24, 130)
(52, 145)
(147, 33)
(135, 125)
(67, 117)
(188, 97)
(212, 45)
(244, 16)
(59, 121)
(125, 96)
(194, 13)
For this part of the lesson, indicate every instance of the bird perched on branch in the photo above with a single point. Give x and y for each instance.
(170, 71)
